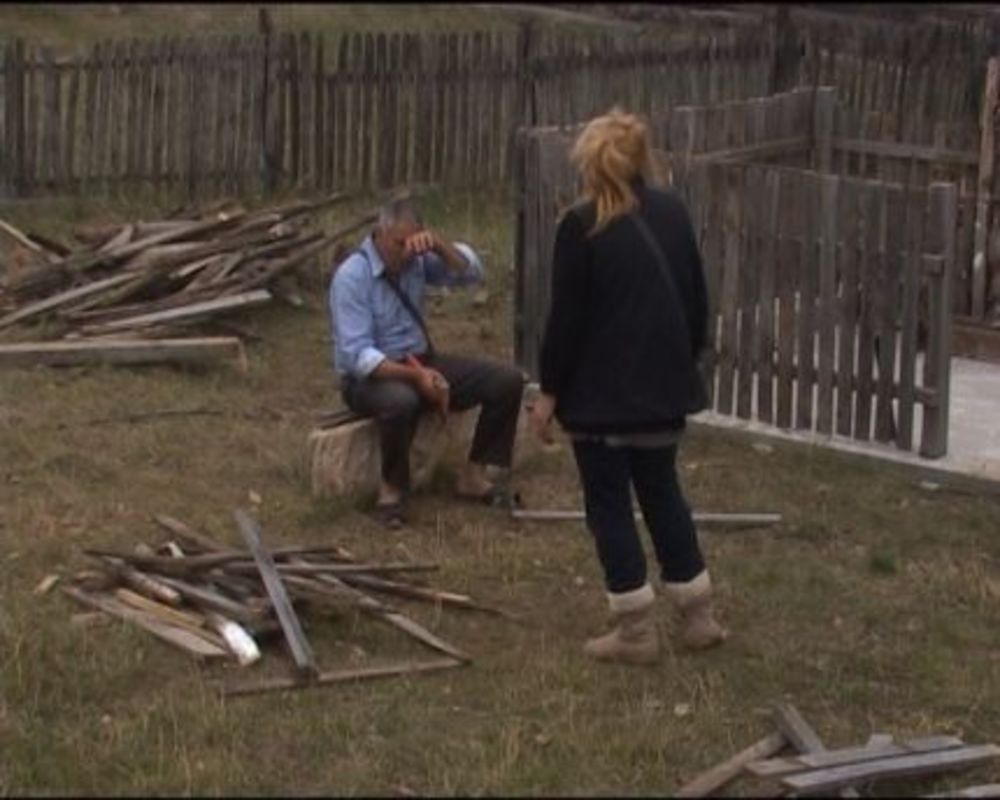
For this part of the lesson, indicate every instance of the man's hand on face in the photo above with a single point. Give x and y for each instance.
(419, 243)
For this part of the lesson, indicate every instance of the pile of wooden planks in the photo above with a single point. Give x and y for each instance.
(816, 770)
(145, 282)
(215, 601)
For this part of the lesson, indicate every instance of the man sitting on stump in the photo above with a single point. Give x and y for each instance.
(387, 365)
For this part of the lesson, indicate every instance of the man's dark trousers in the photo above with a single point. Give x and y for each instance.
(396, 407)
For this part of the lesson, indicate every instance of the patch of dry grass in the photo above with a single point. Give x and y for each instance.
(871, 607)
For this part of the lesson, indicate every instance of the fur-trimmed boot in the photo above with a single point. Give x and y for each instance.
(698, 628)
(634, 639)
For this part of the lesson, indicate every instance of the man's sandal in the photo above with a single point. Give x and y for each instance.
(389, 515)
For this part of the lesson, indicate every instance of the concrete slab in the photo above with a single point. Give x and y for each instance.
(974, 428)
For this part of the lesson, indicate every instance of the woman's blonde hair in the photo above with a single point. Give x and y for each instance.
(610, 152)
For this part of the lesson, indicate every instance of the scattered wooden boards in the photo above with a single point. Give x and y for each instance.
(182, 598)
(819, 770)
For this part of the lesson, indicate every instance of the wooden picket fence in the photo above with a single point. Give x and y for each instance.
(168, 114)
(823, 289)
(864, 145)
(912, 70)
(260, 112)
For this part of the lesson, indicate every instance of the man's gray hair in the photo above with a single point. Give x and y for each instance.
(397, 210)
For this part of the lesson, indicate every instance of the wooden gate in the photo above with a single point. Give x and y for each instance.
(830, 296)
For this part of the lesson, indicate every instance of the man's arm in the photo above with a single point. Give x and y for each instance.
(447, 263)
(353, 324)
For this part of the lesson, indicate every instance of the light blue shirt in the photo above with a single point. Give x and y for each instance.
(369, 322)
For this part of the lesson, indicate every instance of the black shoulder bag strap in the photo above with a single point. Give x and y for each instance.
(407, 304)
(700, 400)
(410, 307)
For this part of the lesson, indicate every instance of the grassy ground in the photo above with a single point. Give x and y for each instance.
(872, 606)
(66, 25)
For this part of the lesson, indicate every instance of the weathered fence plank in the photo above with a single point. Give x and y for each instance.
(937, 363)
(866, 330)
(848, 256)
(829, 190)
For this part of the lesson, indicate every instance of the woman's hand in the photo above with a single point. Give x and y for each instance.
(541, 417)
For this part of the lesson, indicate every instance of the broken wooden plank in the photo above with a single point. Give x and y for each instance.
(192, 643)
(182, 565)
(298, 644)
(332, 569)
(422, 593)
(120, 239)
(341, 676)
(45, 584)
(823, 780)
(802, 737)
(62, 298)
(718, 776)
(375, 607)
(21, 238)
(168, 615)
(188, 534)
(183, 314)
(421, 634)
(45, 277)
(701, 518)
(776, 767)
(213, 601)
(145, 584)
(56, 248)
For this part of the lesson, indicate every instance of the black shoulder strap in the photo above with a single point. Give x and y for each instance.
(407, 304)
(661, 260)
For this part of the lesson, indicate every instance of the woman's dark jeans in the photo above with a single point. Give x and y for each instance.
(606, 474)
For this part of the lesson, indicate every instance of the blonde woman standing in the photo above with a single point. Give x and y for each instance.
(619, 371)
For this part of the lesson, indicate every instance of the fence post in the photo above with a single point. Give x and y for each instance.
(6, 140)
(13, 156)
(525, 100)
(681, 148)
(943, 209)
(521, 240)
(268, 112)
(823, 107)
(786, 52)
(527, 67)
(984, 183)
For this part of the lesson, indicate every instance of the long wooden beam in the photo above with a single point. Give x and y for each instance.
(823, 780)
(821, 759)
(187, 313)
(298, 644)
(551, 515)
(340, 676)
(122, 351)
